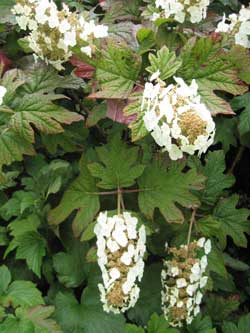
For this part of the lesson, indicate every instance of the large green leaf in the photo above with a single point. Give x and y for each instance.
(243, 103)
(164, 189)
(233, 222)
(150, 296)
(5, 11)
(31, 246)
(220, 308)
(41, 79)
(119, 165)
(24, 293)
(226, 132)
(117, 71)
(40, 317)
(14, 325)
(217, 181)
(204, 61)
(28, 242)
(45, 116)
(201, 325)
(18, 293)
(32, 320)
(243, 325)
(13, 147)
(87, 316)
(81, 195)
(71, 267)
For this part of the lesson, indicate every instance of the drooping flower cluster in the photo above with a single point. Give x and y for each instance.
(120, 251)
(237, 26)
(3, 91)
(183, 279)
(53, 33)
(181, 10)
(176, 118)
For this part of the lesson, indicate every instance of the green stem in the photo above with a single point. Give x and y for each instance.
(119, 195)
(121, 190)
(191, 223)
(236, 160)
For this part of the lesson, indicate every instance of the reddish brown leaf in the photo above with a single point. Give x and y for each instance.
(115, 111)
(5, 62)
(83, 69)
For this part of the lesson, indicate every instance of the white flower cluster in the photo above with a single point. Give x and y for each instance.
(53, 33)
(176, 118)
(120, 251)
(237, 26)
(2, 93)
(193, 10)
(183, 278)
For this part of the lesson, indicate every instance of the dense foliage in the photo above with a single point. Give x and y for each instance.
(124, 166)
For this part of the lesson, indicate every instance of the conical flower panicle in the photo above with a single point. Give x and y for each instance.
(53, 33)
(120, 250)
(183, 279)
(181, 10)
(238, 26)
(3, 91)
(176, 118)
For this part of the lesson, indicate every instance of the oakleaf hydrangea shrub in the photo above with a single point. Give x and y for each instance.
(124, 157)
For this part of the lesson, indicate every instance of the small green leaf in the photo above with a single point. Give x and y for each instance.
(134, 329)
(158, 324)
(5, 279)
(138, 129)
(164, 61)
